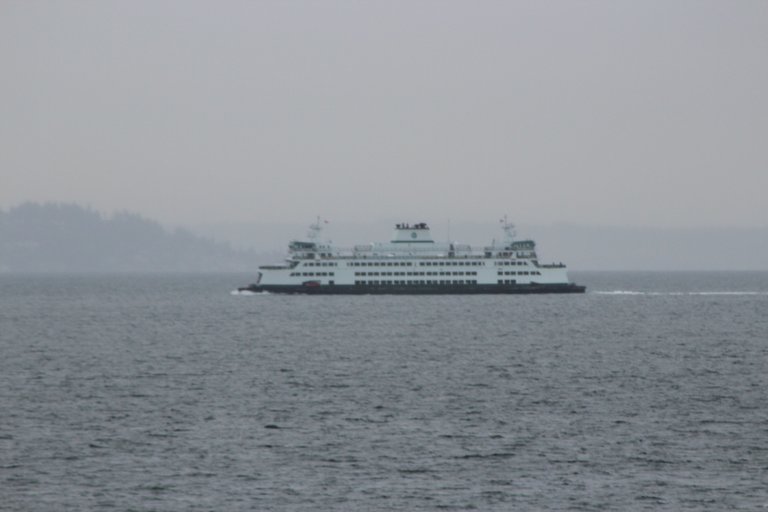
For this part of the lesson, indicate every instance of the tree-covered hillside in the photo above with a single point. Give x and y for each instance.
(55, 237)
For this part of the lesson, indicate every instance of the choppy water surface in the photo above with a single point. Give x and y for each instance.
(171, 393)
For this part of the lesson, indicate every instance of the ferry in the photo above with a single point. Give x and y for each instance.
(412, 262)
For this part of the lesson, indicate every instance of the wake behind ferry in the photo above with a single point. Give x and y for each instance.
(412, 263)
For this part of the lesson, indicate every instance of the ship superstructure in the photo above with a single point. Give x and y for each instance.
(412, 262)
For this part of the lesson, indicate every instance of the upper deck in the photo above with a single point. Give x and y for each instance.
(410, 241)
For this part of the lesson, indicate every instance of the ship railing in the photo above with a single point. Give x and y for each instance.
(418, 255)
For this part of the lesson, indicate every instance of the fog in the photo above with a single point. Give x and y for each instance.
(613, 113)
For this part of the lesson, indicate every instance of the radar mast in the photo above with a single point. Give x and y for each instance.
(509, 230)
(315, 229)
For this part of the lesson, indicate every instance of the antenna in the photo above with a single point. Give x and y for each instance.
(314, 229)
(509, 229)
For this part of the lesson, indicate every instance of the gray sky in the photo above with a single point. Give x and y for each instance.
(645, 113)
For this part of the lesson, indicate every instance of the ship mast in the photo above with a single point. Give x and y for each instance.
(509, 229)
(314, 229)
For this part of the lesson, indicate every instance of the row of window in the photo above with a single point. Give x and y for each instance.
(452, 263)
(311, 274)
(412, 282)
(447, 263)
(507, 281)
(380, 264)
(521, 273)
(444, 273)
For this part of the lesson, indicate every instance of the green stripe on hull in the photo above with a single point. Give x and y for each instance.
(413, 289)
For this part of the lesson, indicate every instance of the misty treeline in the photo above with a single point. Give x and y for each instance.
(61, 237)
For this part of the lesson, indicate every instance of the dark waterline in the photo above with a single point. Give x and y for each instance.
(139, 392)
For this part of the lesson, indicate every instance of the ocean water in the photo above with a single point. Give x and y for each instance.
(172, 393)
